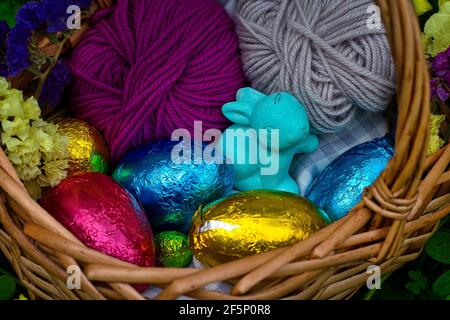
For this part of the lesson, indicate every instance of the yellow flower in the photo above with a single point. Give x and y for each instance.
(31, 109)
(435, 142)
(54, 171)
(11, 143)
(11, 106)
(29, 154)
(442, 2)
(59, 150)
(436, 37)
(18, 127)
(21, 297)
(29, 172)
(42, 139)
(422, 6)
(34, 147)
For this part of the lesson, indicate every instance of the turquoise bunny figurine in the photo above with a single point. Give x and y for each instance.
(267, 129)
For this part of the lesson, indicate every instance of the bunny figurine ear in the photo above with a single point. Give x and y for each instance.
(249, 95)
(238, 112)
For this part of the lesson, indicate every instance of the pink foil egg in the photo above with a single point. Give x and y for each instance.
(103, 216)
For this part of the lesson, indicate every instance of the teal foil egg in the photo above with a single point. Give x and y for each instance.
(339, 187)
(172, 185)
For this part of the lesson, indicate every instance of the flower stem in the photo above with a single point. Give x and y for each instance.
(43, 77)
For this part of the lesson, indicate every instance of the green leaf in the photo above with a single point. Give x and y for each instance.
(9, 8)
(441, 287)
(418, 278)
(9, 274)
(7, 287)
(438, 247)
(419, 282)
(413, 287)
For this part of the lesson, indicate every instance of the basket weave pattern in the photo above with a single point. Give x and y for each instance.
(390, 226)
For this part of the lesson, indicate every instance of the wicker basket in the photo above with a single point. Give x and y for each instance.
(388, 228)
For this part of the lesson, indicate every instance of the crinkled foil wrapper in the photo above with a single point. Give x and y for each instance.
(250, 223)
(171, 191)
(103, 216)
(340, 186)
(87, 148)
(172, 249)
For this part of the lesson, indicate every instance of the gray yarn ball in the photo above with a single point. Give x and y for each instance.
(322, 51)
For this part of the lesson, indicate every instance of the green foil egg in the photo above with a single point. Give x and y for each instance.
(172, 249)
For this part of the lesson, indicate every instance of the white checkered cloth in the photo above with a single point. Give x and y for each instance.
(305, 167)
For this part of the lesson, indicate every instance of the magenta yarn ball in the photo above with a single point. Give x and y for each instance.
(148, 67)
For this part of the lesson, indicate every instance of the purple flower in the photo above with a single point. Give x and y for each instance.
(439, 91)
(31, 15)
(440, 82)
(46, 16)
(433, 85)
(55, 84)
(17, 55)
(441, 66)
(443, 93)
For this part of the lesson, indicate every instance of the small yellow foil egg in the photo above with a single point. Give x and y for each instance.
(252, 222)
(86, 147)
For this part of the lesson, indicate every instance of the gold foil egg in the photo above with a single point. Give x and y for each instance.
(87, 148)
(252, 222)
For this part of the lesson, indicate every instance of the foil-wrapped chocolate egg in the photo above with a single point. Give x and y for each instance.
(252, 222)
(86, 147)
(103, 215)
(171, 184)
(172, 249)
(339, 187)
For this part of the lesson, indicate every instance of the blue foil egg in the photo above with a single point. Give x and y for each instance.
(172, 185)
(339, 187)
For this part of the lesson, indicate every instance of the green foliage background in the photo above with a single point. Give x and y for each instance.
(427, 278)
(9, 285)
(8, 9)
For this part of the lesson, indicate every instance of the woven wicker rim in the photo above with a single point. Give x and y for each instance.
(390, 226)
